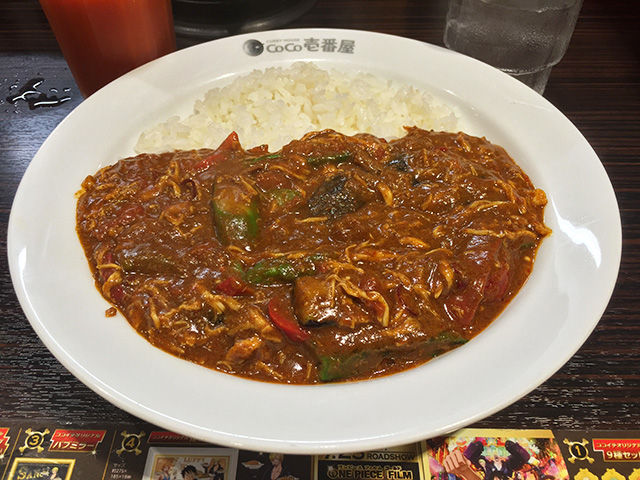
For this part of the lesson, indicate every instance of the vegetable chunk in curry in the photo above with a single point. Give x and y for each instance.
(337, 258)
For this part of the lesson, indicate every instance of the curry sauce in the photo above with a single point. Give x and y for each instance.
(337, 258)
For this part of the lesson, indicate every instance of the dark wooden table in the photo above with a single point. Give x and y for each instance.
(597, 86)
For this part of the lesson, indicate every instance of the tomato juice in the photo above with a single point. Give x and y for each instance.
(103, 39)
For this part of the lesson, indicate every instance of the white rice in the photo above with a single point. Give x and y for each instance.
(278, 105)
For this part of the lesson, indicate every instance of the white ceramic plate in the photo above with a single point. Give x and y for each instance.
(540, 330)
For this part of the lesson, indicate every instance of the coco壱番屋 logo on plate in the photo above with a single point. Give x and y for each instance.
(254, 47)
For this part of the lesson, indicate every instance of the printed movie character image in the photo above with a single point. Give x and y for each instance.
(54, 474)
(457, 464)
(216, 470)
(189, 473)
(278, 469)
(165, 474)
(493, 468)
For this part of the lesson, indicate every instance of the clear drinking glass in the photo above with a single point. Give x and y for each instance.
(524, 38)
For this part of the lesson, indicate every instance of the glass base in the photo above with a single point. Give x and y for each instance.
(536, 80)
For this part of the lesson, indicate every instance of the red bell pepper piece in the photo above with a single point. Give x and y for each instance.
(282, 317)
(232, 142)
(491, 283)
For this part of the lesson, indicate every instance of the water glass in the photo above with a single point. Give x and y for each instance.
(524, 38)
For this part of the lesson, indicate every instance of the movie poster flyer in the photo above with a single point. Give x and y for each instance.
(495, 455)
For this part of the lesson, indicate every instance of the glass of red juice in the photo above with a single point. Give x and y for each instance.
(104, 39)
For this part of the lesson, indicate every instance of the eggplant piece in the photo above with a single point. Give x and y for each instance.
(149, 259)
(400, 164)
(335, 197)
(314, 301)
